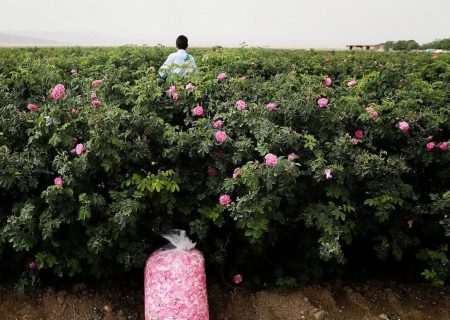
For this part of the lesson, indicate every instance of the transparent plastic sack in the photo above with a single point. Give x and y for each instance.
(175, 281)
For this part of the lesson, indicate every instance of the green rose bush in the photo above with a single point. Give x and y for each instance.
(285, 166)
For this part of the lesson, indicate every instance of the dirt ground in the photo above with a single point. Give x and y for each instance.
(369, 301)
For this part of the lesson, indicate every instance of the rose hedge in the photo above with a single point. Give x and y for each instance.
(279, 173)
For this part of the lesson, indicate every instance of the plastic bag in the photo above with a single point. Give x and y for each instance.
(175, 281)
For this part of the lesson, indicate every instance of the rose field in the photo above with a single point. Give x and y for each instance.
(284, 166)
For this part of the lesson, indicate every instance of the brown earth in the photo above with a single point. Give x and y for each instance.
(369, 301)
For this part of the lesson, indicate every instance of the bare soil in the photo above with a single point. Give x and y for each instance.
(368, 301)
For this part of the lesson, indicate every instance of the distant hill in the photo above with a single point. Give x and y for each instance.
(11, 40)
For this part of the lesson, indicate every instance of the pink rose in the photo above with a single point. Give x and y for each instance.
(225, 200)
(97, 83)
(58, 182)
(359, 134)
(272, 106)
(237, 279)
(327, 173)
(369, 109)
(404, 126)
(410, 223)
(434, 57)
(32, 107)
(243, 78)
(93, 96)
(198, 111)
(175, 96)
(351, 83)
(221, 136)
(430, 146)
(322, 102)
(212, 171)
(327, 82)
(374, 115)
(217, 124)
(32, 265)
(293, 157)
(96, 103)
(79, 149)
(355, 141)
(271, 160)
(58, 91)
(189, 86)
(74, 111)
(222, 76)
(443, 146)
(172, 89)
(241, 105)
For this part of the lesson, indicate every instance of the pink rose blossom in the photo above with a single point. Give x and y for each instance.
(217, 124)
(322, 102)
(355, 141)
(443, 146)
(237, 279)
(404, 126)
(79, 149)
(272, 106)
(434, 57)
(32, 107)
(327, 82)
(243, 78)
(175, 96)
(74, 111)
(222, 76)
(97, 83)
(359, 134)
(198, 111)
(212, 171)
(241, 105)
(172, 89)
(327, 173)
(93, 96)
(189, 86)
(374, 115)
(58, 91)
(32, 265)
(96, 103)
(293, 157)
(351, 83)
(410, 223)
(369, 109)
(430, 146)
(225, 200)
(58, 182)
(271, 160)
(221, 136)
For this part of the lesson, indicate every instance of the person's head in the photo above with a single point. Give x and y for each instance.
(182, 42)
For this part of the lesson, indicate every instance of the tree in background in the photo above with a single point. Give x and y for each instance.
(443, 44)
(388, 45)
(406, 45)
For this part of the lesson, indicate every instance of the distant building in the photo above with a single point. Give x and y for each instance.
(366, 47)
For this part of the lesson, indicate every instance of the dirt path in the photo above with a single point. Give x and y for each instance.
(369, 301)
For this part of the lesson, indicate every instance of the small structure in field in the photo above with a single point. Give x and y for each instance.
(366, 47)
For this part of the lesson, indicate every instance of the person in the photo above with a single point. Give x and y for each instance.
(179, 62)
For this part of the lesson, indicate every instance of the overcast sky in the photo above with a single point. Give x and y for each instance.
(275, 23)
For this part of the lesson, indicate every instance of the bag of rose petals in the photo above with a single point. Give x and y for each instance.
(175, 281)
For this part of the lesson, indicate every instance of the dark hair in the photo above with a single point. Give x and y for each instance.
(182, 42)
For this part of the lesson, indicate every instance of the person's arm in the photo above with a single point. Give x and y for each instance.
(165, 66)
(194, 66)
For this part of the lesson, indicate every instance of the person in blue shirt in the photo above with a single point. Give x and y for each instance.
(179, 62)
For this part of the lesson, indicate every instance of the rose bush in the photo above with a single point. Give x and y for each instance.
(280, 175)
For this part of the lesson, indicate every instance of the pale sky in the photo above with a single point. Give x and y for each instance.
(274, 23)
